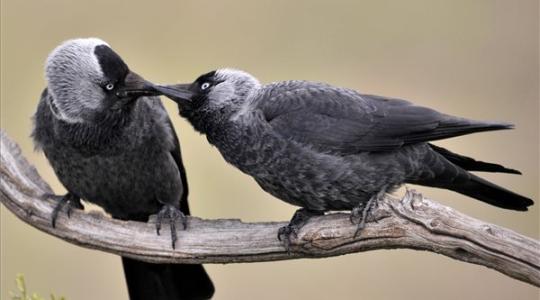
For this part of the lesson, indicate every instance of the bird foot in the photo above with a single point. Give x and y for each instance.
(69, 200)
(284, 235)
(174, 215)
(360, 213)
(299, 219)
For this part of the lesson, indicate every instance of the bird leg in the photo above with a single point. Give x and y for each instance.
(360, 213)
(69, 199)
(174, 214)
(299, 219)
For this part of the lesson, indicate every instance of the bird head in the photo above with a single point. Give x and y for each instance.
(85, 77)
(223, 91)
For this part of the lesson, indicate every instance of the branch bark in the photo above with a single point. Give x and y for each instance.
(412, 222)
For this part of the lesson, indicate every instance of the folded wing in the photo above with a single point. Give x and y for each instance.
(342, 121)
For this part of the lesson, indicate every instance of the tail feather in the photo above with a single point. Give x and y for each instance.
(493, 194)
(166, 281)
(443, 169)
(471, 164)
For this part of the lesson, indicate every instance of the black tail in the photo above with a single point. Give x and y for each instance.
(443, 169)
(488, 192)
(166, 281)
(471, 164)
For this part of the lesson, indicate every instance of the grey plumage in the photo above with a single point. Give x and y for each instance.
(117, 171)
(116, 149)
(327, 148)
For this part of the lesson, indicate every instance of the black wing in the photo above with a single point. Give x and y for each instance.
(177, 156)
(338, 120)
(168, 281)
(169, 134)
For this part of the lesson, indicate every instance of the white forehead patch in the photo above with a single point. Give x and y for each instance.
(72, 69)
(237, 85)
(231, 73)
(238, 79)
(91, 41)
(76, 55)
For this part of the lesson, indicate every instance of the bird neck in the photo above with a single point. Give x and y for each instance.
(207, 121)
(233, 136)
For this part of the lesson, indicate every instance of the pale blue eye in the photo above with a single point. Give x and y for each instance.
(109, 86)
(205, 85)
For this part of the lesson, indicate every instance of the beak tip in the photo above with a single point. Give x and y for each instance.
(176, 92)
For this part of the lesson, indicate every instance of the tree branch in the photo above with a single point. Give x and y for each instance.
(412, 222)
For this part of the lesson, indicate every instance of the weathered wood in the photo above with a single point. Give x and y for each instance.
(412, 222)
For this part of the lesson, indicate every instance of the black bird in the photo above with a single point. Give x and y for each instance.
(325, 148)
(111, 143)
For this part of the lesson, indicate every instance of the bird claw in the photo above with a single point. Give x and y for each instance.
(68, 199)
(173, 214)
(360, 213)
(284, 235)
(299, 219)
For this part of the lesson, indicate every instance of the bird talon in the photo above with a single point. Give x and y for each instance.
(356, 214)
(69, 200)
(174, 215)
(362, 211)
(359, 228)
(284, 235)
(299, 219)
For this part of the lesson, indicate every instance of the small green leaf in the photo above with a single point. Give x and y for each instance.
(23, 294)
(36, 297)
(19, 279)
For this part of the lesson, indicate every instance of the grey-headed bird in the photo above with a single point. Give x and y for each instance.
(325, 148)
(111, 143)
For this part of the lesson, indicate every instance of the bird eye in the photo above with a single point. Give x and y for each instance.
(205, 85)
(109, 86)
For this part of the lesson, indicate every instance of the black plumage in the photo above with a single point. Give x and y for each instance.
(119, 151)
(328, 148)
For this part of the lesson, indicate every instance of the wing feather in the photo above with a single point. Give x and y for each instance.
(339, 120)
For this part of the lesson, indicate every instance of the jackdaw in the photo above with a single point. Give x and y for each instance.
(325, 148)
(110, 142)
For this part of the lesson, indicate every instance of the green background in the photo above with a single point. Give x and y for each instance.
(477, 59)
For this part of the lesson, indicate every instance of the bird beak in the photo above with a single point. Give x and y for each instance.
(135, 86)
(177, 92)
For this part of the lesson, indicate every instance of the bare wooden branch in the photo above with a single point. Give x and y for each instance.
(412, 222)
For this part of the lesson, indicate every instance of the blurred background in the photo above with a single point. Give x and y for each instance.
(477, 59)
